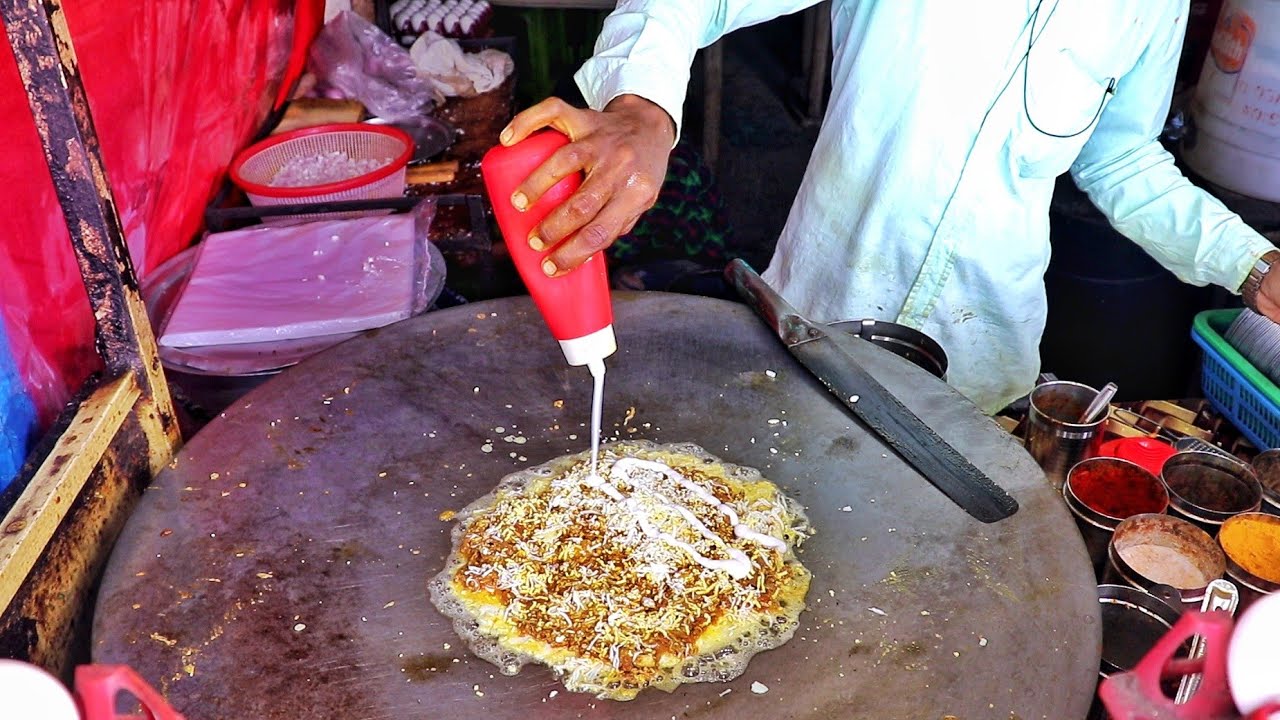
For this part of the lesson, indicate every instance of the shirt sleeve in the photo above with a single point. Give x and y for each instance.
(1132, 179)
(646, 47)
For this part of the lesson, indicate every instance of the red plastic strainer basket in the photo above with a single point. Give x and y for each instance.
(255, 166)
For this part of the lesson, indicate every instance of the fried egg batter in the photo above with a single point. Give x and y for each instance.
(669, 567)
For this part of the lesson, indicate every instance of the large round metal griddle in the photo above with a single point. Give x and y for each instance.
(278, 569)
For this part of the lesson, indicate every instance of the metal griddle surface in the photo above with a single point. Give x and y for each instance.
(278, 569)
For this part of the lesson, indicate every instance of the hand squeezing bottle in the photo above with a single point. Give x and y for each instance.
(576, 305)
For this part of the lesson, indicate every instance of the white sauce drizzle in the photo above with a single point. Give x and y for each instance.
(738, 565)
(597, 405)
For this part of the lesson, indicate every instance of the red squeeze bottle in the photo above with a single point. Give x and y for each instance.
(576, 305)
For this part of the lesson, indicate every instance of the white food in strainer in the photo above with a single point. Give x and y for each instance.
(323, 168)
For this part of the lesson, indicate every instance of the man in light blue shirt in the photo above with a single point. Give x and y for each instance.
(926, 199)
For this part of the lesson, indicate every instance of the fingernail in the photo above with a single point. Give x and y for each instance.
(520, 202)
(505, 136)
(549, 268)
(536, 243)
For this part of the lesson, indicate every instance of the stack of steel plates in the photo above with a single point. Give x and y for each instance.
(1258, 340)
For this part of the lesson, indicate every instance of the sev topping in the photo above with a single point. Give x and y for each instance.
(562, 564)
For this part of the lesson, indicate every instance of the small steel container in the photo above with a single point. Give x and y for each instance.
(1148, 550)
(1267, 467)
(1101, 492)
(1133, 621)
(1251, 544)
(1207, 488)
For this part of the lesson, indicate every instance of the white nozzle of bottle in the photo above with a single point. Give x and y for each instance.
(589, 348)
(596, 367)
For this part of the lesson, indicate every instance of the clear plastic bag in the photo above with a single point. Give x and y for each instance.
(303, 281)
(352, 58)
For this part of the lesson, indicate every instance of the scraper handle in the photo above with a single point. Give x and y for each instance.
(785, 320)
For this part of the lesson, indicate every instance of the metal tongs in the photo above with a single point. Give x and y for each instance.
(1221, 595)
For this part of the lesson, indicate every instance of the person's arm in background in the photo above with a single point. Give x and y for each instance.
(1132, 179)
(635, 85)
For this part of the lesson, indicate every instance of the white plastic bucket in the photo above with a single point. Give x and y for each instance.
(30, 692)
(1237, 102)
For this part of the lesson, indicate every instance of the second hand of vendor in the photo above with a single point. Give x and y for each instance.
(926, 198)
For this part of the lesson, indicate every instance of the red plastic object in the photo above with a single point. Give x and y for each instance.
(575, 304)
(1137, 695)
(175, 88)
(1148, 453)
(98, 687)
(1270, 711)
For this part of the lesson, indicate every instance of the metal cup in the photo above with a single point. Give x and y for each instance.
(1055, 436)
(1103, 491)
(1207, 488)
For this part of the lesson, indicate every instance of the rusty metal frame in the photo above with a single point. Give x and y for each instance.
(56, 539)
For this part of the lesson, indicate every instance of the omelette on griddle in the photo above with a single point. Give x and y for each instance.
(668, 567)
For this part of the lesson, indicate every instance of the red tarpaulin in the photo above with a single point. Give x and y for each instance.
(176, 87)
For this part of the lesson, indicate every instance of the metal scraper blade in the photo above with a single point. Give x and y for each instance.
(829, 357)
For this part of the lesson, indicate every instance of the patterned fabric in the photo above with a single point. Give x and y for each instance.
(684, 235)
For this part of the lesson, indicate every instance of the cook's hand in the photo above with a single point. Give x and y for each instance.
(1268, 298)
(623, 151)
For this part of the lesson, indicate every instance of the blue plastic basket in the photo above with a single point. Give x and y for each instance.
(1234, 387)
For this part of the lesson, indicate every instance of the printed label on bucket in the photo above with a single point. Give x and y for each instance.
(1232, 38)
